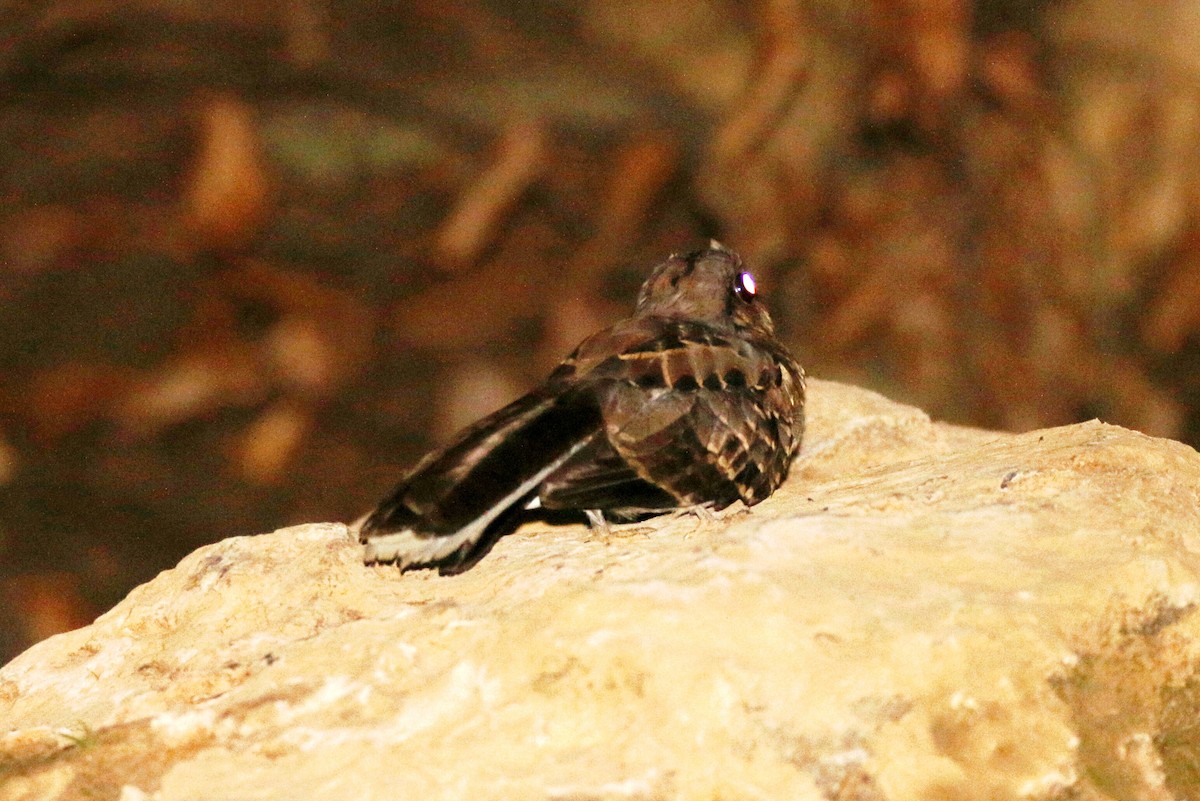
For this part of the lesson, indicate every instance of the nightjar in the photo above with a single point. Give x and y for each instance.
(692, 401)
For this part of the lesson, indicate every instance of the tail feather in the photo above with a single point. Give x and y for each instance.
(449, 502)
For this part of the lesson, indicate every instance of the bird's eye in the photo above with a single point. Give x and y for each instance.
(745, 287)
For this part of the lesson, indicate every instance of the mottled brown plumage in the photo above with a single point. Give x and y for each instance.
(691, 401)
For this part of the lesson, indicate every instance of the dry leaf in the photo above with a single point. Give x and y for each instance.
(227, 196)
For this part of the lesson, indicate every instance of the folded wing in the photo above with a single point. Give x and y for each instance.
(690, 416)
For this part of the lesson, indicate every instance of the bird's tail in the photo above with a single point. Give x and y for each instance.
(452, 505)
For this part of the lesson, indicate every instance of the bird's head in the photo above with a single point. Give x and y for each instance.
(709, 286)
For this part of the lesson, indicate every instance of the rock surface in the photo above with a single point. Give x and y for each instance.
(922, 612)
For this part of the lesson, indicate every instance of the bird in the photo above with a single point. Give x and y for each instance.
(690, 403)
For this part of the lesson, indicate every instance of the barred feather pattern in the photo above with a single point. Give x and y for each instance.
(691, 401)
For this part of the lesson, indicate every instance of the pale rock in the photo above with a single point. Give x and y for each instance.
(922, 612)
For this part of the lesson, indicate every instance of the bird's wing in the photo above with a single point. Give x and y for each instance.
(690, 415)
(443, 512)
(599, 478)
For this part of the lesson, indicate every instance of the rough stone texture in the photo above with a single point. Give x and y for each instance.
(923, 612)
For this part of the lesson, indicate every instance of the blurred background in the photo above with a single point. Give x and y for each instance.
(257, 256)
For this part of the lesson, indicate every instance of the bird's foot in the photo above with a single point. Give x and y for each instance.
(703, 513)
(597, 522)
